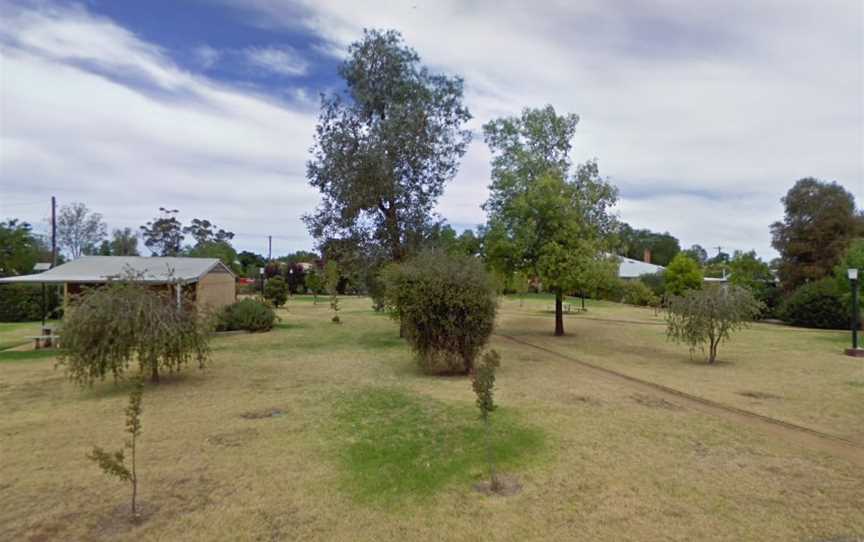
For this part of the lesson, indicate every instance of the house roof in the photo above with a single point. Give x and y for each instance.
(98, 269)
(629, 268)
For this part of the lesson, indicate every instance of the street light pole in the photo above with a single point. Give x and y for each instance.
(852, 273)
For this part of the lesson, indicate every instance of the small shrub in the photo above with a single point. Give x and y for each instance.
(818, 304)
(247, 315)
(114, 464)
(705, 318)
(682, 274)
(635, 292)
(276, 291)
(483, 384)
(446, 306)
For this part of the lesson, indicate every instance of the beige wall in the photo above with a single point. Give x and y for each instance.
(215, 290)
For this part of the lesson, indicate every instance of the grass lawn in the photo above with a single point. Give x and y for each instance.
(317, 431)
(17, 334)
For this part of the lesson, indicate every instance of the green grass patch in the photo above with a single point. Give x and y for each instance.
(27, 355)
(394, 445)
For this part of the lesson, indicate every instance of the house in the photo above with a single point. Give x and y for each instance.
(207, 282)
(630, 269)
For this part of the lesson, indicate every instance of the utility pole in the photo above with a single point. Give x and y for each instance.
(53, 232)
(269, 248)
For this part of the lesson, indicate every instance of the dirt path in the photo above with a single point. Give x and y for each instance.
(790, 432)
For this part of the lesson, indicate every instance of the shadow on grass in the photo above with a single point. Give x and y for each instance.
(395, 446)
(28, 355)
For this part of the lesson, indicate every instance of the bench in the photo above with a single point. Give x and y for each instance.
(568, 307)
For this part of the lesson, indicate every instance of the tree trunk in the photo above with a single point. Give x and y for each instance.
(134, 482)
(154, 374)
(712, 352)
(559, 313)
(493, 480)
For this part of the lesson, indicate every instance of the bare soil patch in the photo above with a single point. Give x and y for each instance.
(507, 487)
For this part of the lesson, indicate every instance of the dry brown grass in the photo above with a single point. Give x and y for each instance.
(617, 465)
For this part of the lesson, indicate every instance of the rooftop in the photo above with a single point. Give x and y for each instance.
(97, 269)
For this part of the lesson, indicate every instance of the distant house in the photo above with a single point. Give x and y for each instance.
(630, 269)
(207, 282)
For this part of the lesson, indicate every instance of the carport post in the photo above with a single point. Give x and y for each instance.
(179, 297)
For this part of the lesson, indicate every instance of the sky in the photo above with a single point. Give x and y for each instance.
(702, 113)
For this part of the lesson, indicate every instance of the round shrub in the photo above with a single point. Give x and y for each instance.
(276, 291)
(816, 304)
(446, 305)
(636, 292)
(246, 314)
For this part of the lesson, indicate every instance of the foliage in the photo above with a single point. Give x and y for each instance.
(483, 384)
(331, 282)
(636, 292)
(78, 230)
(163, 235)
(705, 318)
(662, 246)
(818, 304)
(314, 284)
(215, 249)
(547, 226)
(682, 274)
(446, 305)
(385, 148)
(115, 464)
(123, 243)
(250, 263)
(854, 258)
(247, 315)
(697, 253)
(204, 232)
(20, 248)
(107, 328)
(23, 302)
(748, 271)
(818, 225)
(656, 282)
(276, 291)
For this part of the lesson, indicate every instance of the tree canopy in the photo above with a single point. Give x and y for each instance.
(633, 244)
(164, 235)
(78, 230)
(682, 274)
(385, 146)
(20, 248)
(819, 223)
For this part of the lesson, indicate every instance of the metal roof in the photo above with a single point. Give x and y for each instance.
(97, 269)
(629, 268)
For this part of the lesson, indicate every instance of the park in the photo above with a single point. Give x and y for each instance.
(464, 330)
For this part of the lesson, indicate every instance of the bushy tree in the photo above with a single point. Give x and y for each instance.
(385, 148)
(854, 258)
(247, 315)
(819, 223)
(817, 304)
(108, 328)
(483, 384)
(748, 271)
(276, 291)
(635, 292)
(698, 253)
(682, 274)
(633, 243)
(540, 221)
(331, 280)
(164, 235)
(20, 248)
(114, 464)
(705, 318)
(314, 284)
(446, 305)
(123, 243)
(203, 231)
(78, 230)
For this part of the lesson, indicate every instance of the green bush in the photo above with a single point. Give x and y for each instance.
(276, 291)
(816, 304)
(446, 304)
(636, 292)
(655, 281)
(246, 314)
(23, 302)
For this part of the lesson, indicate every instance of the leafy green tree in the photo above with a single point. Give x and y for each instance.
(331, 279)
(203, 232)
(705, 318)
(541, 223)
(314, 284)
(19, 248)
(446, 306)
(747, 270)
(215, 249)
(483, 384)
(164, 235)
(634, 243)
(124, 242)
(818, 226)
(250, 263)
(276, 291)
(114, 464)
(78, 230)
(106, 329)
(386, 147)
(697, 253)
(682, 274)
(854, 258)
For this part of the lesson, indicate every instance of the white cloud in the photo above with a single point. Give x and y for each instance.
(279, 60)
(78, 130)
(732, 99)
(206, 56)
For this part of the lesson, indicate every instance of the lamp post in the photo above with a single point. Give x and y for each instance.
(852, 273)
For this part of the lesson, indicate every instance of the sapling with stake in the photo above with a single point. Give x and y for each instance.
(483, 382)
(114, 464)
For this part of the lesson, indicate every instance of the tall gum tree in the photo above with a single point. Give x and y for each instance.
(385, 146)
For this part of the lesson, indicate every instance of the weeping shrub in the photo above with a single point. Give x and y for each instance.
(446, 305)
(246, 315)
